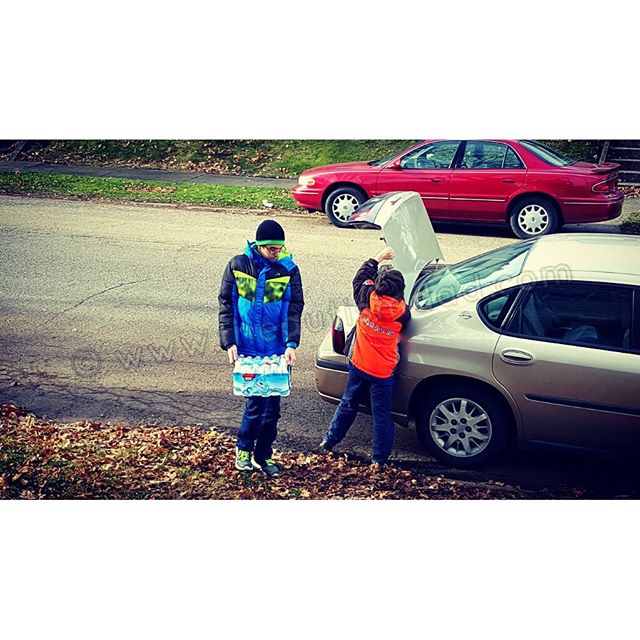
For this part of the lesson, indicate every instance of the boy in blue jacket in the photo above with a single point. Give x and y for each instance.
(260, 307)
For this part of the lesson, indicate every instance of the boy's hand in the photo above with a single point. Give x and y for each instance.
(290, 355)
(386, 254)
(232, 352)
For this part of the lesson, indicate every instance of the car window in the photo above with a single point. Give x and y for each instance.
(547, 154)
(511, 160)
(468, 276)
(589, 314)
(486, 155)
(382, 161)
(437, 155)
(493, 309)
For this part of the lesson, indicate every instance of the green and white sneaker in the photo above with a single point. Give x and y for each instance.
(243, 460)
(267, 466)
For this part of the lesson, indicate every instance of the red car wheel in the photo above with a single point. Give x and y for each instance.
(342, 203)
(534, 216)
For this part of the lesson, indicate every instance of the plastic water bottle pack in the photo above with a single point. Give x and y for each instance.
(261, 376)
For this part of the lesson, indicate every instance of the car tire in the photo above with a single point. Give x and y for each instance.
(533, 217)
(341, 204)
(446, 412)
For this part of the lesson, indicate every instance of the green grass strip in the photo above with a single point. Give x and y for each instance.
(631, 223)
(145, 190)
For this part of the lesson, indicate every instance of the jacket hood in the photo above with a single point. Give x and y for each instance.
(285, 258)
(385, 307)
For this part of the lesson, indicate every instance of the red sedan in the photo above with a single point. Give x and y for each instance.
(521, 182)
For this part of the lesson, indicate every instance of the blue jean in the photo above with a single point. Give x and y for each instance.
(380, 391)
(259, 426)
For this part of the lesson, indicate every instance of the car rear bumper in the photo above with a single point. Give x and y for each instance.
(331, 379)
(308, 198)
(605, 207)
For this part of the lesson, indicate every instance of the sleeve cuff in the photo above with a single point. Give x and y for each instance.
(293, 345)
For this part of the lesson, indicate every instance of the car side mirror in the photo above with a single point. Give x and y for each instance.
(395, 165)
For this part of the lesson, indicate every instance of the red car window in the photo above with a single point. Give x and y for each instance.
(438, 155)
(488, 155)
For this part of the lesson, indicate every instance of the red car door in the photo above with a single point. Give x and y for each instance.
(426, 170)
(484, 180)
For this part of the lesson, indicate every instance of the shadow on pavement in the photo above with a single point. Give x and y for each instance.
(503, 231)
(586, 475)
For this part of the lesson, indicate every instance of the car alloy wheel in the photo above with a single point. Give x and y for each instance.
(463, 425)
(460, 427)
(342, 203)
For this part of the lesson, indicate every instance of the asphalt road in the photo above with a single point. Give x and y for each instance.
(109, 312)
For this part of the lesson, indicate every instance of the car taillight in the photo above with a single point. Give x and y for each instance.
(606, 186)
(337, 335)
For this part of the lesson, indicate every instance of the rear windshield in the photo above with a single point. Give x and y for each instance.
(547, 154)
(468, 276)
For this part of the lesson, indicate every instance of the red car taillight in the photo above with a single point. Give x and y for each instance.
(337, 335)
(606, 186)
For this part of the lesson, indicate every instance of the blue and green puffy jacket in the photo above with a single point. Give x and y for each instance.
(260, 304)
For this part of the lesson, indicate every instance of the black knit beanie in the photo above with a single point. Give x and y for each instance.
(390, 283)
(269, 232)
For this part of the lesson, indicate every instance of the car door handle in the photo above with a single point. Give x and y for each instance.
(508, 181)
(436, 179)
(515, 356)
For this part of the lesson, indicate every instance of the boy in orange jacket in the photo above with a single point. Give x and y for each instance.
(373, 355)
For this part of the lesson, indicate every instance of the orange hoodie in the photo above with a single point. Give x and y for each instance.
(377, 333)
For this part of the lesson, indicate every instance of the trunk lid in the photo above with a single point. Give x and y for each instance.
(590, 167)
(406, 228)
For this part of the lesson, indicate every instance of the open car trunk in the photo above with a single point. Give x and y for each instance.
(406, 228)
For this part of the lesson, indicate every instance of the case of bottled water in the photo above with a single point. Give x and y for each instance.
(261, 376)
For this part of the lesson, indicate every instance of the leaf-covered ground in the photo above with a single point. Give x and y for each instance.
(275, 158)
(43, 459)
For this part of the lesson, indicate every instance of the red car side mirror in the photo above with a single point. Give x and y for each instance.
(395, 164)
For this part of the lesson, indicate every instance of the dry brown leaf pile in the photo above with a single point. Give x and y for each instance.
(631, 191)
(40, 458)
